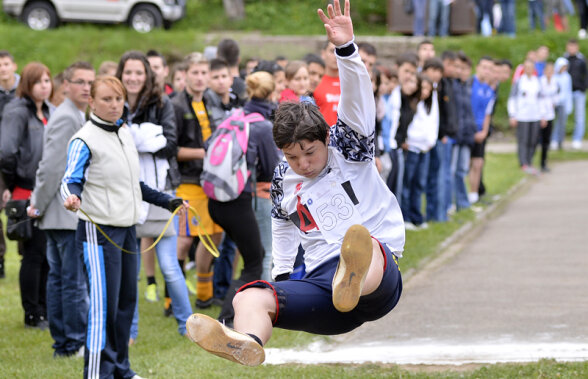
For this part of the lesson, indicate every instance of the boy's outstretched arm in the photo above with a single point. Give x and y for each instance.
(353, 134)
(338, 25)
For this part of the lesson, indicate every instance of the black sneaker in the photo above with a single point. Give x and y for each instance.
(2, 273)
(203, 304)
(42, 323)
(36, 322)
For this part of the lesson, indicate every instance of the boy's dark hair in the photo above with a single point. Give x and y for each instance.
(572, 41)
(280, 58)
(486, 58)
(295, 122)
(155, 53)
(68, 73)
(218, 64)
(6, 54)
(506, 62)
(425, 42)
(268, 66)
(464, 58)
(313, 58)
(408, 57)
(368, 48)
(228, 49)
(448, 55)
(433, 63)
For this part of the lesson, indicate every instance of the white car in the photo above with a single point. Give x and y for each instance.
(141, 15)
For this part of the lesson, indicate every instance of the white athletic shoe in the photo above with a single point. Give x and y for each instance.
(224, 342)
(553, 145)
(410, 226)
(354, 263)
(576, 145)
(582, 33)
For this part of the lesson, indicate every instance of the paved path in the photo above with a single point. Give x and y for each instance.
(515, 290)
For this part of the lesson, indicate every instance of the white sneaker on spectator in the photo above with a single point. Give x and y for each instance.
(553, 145)
(452, 209)
(80, 352)
(473, 197)
(423, 226)
(576, 145)
(582, 33)
(410, 226)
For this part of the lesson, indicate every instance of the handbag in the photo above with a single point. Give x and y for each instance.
(19, 226)
(408, 6)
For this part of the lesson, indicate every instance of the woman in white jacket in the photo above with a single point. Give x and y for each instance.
(526, 112)
(421, 138)
(550, 90)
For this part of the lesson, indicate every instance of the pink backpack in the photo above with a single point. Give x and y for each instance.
(225, 172)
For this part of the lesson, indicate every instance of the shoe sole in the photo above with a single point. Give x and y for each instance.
(354, 262)
(226, 343)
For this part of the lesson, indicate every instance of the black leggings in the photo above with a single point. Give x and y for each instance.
(33, 274)
(237, 219)
(544, 140)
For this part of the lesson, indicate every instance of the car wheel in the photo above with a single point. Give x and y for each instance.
(40, 16)
(145, 18)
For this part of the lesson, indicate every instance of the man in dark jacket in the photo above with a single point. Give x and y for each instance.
(8, 82)
(67, 295)
(464, 138)
(579, 74)
(194, 127)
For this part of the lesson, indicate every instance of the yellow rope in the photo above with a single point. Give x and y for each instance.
(204, 238)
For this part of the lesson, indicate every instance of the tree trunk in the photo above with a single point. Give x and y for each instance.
(234, 9)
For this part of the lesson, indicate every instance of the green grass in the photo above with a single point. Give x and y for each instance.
(160, 352)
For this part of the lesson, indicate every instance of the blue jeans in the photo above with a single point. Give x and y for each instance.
(447, 177)
(416, 166)
(263, 210)
(507, 23)
(559, 125)
(460, 165)
(67, 292)
(436, 188)
(438, 11)
(223, 268)
(418, 28)
(394, 181)
(167, 258)
(536, 11)
(579, 115)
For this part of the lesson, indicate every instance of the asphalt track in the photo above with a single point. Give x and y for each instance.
(514, 288)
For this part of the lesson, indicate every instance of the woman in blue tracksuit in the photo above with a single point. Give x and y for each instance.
(102, 179)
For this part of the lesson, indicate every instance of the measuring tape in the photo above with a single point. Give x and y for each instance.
(204, 238)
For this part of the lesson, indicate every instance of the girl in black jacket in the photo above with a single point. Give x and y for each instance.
(21, 148)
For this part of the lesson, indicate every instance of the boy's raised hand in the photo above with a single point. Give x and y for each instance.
(338, 25)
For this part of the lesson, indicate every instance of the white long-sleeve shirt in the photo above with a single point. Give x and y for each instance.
(317, 212)
(423, 131)
(525, 102)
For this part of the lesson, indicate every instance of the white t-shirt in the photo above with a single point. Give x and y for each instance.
(317, 212)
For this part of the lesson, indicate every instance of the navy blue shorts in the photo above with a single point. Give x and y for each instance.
(307, 304)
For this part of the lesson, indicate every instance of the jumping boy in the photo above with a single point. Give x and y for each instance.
(328, 196)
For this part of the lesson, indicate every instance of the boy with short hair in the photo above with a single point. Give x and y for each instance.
(326, 186)
(194, 126)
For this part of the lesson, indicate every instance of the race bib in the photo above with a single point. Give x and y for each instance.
(331, 207)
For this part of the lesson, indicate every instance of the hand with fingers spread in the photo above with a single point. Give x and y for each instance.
(338, 25)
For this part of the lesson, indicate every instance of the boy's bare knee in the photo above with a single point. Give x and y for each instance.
(258, 298)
